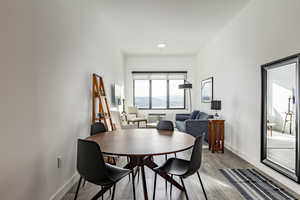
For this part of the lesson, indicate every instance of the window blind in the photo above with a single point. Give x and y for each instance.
(159, 75)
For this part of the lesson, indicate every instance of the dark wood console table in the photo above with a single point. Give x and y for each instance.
(216, 135)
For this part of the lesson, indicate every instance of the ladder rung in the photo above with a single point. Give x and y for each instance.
(101, 118)
(97, 95)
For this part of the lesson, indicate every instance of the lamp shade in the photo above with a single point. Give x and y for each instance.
(216, 105)
(185, 86)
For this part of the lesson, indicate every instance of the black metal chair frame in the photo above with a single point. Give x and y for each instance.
(168, 126)
(193, 167)
(91, 167)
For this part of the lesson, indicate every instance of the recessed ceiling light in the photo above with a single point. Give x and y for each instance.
(161, 45)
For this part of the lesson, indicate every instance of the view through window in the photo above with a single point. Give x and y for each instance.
(159, 90)
(176, 95)
(141, 91)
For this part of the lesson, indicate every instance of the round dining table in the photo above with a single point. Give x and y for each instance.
(140, 145)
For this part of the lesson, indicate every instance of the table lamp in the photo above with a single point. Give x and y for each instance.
(216, 105)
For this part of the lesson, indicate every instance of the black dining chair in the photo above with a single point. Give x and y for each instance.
(165, 125)
(99, 127)
(91, 167)
(183, 168)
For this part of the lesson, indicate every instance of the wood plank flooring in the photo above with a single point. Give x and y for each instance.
(216, 185)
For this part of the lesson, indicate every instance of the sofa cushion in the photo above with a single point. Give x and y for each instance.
(180, 125)
(196, 127)
(182, 117)
(194, 114)
(202, 116)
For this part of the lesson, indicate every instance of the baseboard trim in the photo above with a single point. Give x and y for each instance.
(62, 191)
(279, 177)
(241, 155)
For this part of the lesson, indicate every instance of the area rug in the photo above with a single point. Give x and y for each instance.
(253, 185)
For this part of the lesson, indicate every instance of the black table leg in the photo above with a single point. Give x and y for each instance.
(142, 161)
(133, 162)
(144, 183)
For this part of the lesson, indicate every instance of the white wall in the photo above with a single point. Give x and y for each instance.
(158, 63)
(48, 51)
(263, 31)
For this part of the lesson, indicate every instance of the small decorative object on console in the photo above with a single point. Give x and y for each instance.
(216, 105)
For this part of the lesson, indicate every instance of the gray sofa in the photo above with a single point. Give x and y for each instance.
(194, 124)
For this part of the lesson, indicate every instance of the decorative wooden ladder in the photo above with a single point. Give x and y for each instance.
(101, 112)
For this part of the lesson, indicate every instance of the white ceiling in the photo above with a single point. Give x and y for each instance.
(184, 25)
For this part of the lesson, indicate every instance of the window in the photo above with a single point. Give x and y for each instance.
(159, 90)
(159, 94)
(176, 95)
(141, 91)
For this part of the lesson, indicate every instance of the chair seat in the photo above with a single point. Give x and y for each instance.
(115, 174)
(175, 166)
(137, 119)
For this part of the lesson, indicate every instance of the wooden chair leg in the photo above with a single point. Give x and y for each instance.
(186, 195)
(77, 190)
(154, 187)
(202, 185)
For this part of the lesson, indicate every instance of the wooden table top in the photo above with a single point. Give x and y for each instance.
(142, 142)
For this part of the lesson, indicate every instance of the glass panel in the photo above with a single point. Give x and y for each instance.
(176, 98)
(141, 93)
(281, 116)
(159, 94)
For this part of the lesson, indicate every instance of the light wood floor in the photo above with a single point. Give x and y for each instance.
(216, 185)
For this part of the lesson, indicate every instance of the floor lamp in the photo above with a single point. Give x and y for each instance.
(189, 86)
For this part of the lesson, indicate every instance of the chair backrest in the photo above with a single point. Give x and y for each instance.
(165, 125)
(132, 110)
(116, 117)
(196, 157)
(98, 127)
(90, 162)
